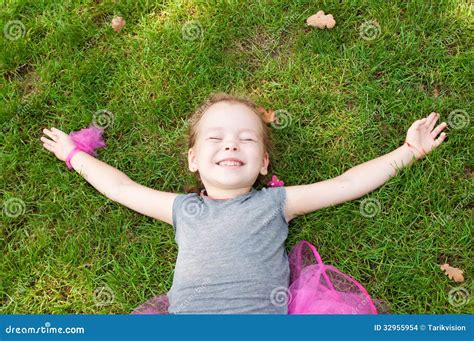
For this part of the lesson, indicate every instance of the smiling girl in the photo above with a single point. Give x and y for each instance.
(230, 236)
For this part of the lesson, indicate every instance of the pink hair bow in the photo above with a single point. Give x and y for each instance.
(275, 182)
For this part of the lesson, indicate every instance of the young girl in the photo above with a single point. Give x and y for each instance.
(230, 236)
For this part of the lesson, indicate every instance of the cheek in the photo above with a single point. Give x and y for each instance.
(256, 154)
(208, 154)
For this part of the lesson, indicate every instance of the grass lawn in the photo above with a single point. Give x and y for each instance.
(351, 93)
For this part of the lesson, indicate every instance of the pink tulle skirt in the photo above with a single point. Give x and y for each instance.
(315, 288)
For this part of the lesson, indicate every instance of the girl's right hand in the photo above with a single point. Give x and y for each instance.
(59, 143)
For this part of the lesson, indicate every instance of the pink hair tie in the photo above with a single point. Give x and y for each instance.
(70, 155)
(86, 140)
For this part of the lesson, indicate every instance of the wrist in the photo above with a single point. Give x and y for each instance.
(417, 153)
(71, 154)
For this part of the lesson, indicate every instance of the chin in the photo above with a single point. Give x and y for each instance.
(229, 182)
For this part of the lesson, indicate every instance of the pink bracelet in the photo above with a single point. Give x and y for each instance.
(71, 154)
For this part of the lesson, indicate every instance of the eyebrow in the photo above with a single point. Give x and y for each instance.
(241, 130)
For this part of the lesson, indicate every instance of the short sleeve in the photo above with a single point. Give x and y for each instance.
(176, 205)
(277, 197)
(281, 199)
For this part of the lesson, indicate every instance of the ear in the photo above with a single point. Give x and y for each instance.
(266, 161)
(192, 164)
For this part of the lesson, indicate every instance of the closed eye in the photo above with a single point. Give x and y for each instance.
(216, 138)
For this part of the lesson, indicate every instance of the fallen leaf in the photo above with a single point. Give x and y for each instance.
(268, 114)
(118, 23)
(321, 20)
(452, 272)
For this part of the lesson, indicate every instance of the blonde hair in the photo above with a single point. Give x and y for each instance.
(195, 118)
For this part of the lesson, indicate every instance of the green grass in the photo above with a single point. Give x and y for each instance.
(350, 100)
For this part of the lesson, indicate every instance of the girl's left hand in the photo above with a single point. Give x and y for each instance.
(422, 137)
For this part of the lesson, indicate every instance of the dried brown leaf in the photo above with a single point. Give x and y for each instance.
(452, 272)
(267, 114)
(321, 20)
(118, 23)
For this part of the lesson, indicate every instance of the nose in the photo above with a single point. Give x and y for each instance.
(231, 145)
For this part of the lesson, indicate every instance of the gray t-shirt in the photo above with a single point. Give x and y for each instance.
(231, 254)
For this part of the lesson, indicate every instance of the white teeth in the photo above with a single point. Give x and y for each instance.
(229, 163)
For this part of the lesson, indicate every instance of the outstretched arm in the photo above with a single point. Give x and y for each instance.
(110, 181)
(364, 178)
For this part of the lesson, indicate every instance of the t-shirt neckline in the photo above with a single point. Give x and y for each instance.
(201, 194)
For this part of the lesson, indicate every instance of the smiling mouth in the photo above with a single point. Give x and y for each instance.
(236, 166)
(230, 164)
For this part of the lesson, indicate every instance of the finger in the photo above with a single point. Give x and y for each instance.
(433, 122)
(440, 139)
(48, 147)
(50, 134)
(430, 118)
(439, 129)
(57, 131)
(48, 142)
(419, 123)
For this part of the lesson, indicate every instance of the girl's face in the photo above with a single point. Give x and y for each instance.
(228, 130)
